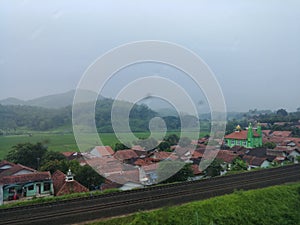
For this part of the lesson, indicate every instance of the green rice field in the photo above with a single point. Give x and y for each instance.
(66, 142)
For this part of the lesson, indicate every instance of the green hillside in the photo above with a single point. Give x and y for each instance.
(54, 101)
(15, 119)
(277, 205)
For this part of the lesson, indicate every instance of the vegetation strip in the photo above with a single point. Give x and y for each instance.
(277, 205)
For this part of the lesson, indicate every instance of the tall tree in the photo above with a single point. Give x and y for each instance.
(282, 112)
(172, 139)
(27, 154)
(215, 168)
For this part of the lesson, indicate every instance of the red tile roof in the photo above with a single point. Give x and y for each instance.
(240, 135)
(143, 162)
(105, 166)
(109, 184)
(68, 154)
(138, 147)
(151, 167)
(63, 187)
(125, 176)
(197, 154)
(58, 179)
(31, 177)
(226, 155)
(253, 161)
(15, 168)
(71, 187)
(125, 154)
(161, 155)
(266, 132)
(4, 163)
(282, 133)
(104, 150)
(196, 169)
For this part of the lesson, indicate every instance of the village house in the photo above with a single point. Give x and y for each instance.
(294, 155)
(73, 155)
(126, 156)
(257, 162)
(198, 174)
(249, 138)
(102, 151)
(18, 181)
(65, 184)
(284, 134)
(227, 157)
(128, 179)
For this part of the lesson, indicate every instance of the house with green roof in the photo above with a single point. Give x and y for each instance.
(249, 138)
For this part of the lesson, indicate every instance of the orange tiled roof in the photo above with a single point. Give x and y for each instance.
(240, 135)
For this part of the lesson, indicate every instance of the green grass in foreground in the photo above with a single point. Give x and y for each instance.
(277, 205)
(66, 142)
(48, 199)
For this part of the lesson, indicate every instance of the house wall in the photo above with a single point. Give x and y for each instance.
(265, 164)
(1, 194)
(250, 143)
(234, 142)
(23, 190)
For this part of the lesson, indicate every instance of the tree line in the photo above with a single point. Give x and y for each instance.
(15, 119)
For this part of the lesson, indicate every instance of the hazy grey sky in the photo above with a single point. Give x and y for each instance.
(252, 47)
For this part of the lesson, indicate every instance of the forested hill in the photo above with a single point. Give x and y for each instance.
(14, 118)
(54, 101)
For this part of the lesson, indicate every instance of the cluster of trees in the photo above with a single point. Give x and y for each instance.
(165, 145)
(166, 169)
(269, 117)
(37, 156)
(151, 143)
(14, 118)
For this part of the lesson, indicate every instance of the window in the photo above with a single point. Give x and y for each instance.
(244, 143)
(232, 142)
(238, 142)
(46, 186)
(30, 188)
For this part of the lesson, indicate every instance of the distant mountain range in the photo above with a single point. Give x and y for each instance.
(54, 101)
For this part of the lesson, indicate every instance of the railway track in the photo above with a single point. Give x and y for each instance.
(90, 208)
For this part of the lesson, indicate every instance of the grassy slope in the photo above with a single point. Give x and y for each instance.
(59, 142)
(277, 205)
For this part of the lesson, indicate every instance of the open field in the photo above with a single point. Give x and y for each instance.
(65, 142)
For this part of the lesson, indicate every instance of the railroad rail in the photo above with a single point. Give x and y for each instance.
(120, 203)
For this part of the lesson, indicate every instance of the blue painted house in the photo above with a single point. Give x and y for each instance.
(18, 181)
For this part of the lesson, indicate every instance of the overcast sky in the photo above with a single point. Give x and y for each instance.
(252, 47)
